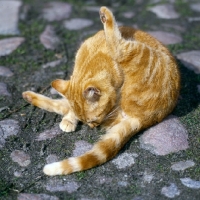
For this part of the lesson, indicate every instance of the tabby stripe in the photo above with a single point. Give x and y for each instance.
(166, 79)
(150, 66)
(141, 50)
(157, 64)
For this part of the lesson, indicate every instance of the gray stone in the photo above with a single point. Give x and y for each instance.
(147, 177)
(92, 8)
(53, 63)
(188, 182)
(24, 12)
(175, 27)
(198, 88)
(77, 23)
(123, 183)
(8, 127)
(4, 90)
(21, 158)
(137, 198)
(195, 7)
(124, 160)
(165, 11)
(4, 108)
(4, 71)
(8, 45)
(166, 137)
(57, 185)
(165, 37)
(17, 174)
(60, 73)
(88, 198)
(171, 191)
(128, 15)
(104, 180)
(26, 196)
(9, 17)
(50, 133)
(49, 39)
(173, 1)
(155, 1)
(81, 147)
(182, 165)
(53, 91)
(56, 11)
(51, 158)
(191, 59)
(193, 19)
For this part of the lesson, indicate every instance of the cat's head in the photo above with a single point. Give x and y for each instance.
(91, 100)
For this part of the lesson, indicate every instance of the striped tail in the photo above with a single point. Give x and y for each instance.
(102, 151)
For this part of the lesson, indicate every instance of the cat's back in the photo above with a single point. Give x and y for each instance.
(152, 78)
(97, 43)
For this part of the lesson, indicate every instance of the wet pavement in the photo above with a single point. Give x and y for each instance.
(38, 42)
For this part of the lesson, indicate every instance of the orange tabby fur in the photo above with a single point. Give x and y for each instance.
(124, 80)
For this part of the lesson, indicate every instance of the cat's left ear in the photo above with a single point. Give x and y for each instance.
(92, 94)
(60, 85)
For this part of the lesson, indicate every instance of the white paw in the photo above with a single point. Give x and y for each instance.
(53, 169)
(67, 126)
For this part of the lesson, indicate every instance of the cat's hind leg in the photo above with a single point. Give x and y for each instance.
(112, 33)
(107, 18)
(119, 48)
(104, 150)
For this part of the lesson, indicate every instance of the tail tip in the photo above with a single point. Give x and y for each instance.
(53, 169)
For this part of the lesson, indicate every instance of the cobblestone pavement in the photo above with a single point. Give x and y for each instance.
(38, 41)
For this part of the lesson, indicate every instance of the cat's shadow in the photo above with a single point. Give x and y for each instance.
(189, 98)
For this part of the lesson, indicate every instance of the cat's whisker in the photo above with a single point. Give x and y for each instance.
(111, 114)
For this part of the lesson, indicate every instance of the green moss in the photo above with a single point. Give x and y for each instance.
(5, 188)
(81, 175)
(134, 189)
(183, 8)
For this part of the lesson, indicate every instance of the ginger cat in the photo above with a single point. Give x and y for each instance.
(124, 80)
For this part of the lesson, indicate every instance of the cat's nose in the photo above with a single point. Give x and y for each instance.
(91, 125)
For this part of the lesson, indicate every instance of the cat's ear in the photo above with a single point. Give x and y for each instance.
(92, 94)
(60, 85)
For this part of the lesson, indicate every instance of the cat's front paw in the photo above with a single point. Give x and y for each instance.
(105, 15)
(67, 126)
(29, 96)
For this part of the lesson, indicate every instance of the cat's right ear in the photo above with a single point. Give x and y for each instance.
(60, 85)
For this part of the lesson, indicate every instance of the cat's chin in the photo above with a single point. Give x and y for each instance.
(53, 169)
